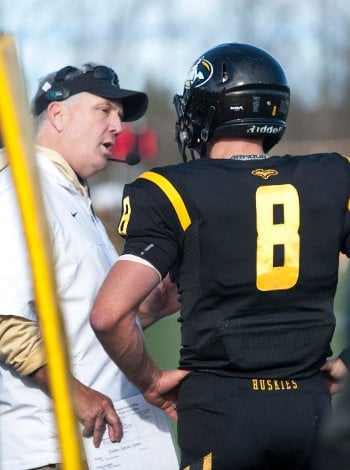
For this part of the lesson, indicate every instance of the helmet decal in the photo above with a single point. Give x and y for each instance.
(199, 74)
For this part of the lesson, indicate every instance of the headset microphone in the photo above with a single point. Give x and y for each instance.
(132, 158)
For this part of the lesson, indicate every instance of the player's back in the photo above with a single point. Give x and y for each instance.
(260, 261)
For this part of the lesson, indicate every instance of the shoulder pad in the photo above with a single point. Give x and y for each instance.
(172, 194)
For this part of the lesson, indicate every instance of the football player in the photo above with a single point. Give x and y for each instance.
(253, 242)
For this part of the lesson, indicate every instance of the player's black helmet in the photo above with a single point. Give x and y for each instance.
(233, 89)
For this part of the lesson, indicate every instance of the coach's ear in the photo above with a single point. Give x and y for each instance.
(56, 114)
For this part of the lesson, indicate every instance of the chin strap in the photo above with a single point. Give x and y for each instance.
(182, 136)
(205, 131)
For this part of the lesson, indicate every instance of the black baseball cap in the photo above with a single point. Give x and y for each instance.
(92, 78)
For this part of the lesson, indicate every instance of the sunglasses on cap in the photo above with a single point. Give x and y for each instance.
(97, 79)
(101, 72)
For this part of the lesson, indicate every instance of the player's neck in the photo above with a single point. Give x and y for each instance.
(227, 147)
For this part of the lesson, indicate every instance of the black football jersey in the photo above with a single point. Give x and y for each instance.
(254, 248)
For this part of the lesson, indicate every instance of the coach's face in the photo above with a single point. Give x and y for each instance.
(91, 124)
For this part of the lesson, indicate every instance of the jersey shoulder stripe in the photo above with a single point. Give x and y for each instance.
(172, 194)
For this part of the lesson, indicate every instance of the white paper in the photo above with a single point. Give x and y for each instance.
(146, 444)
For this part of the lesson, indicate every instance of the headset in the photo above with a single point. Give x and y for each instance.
(58, 92)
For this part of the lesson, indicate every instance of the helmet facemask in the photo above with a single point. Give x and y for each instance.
(193, 127)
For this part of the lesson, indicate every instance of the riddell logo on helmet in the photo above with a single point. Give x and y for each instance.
(265, 129)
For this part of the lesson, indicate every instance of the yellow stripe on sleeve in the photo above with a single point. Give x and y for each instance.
(172, 194)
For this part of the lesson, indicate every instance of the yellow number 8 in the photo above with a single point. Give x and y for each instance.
(124, 220)
(270, 234)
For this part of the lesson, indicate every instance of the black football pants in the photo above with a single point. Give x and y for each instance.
(227, 423)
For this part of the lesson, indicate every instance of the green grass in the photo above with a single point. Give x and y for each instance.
(163, 342)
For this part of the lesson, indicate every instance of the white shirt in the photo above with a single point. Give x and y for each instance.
(83, 254)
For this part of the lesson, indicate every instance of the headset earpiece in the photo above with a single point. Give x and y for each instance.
(58, 92)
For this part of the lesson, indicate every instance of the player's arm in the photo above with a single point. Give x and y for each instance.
(113, 319)
(162, 301)
(336, 371)
(153, 235)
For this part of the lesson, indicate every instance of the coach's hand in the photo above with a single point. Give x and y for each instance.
(95, 412)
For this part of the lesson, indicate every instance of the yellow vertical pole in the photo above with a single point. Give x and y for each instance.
(16, 127)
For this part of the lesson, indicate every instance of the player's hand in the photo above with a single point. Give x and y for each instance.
(163, 393)
(95, 412)
(335, 372)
